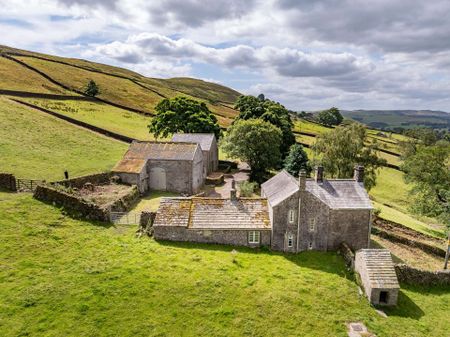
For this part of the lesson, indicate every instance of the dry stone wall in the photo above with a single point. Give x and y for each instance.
(8, 181)
(411, 275)
(95, 179)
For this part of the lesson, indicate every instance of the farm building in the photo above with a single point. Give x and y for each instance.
(292, 215)
(162, 166)
(208, 144)
(377, 272)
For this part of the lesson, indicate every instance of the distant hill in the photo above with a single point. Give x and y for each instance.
(29, 72)
(392, 119)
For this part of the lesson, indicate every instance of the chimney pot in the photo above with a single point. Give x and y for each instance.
(233, 195)
(319, 174)
(302, 180)
(359, 173)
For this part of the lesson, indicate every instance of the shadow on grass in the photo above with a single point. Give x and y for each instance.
(328, 262)
(405, 308)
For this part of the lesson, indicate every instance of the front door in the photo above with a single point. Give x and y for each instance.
(158, 179)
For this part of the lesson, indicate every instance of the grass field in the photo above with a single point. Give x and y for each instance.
(35, 145)
(102, 115)
(62, 277)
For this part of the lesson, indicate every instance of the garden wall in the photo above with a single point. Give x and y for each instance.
(94, 179)
(126, 202)
(75, 206)
(410, 275)
(8, 181)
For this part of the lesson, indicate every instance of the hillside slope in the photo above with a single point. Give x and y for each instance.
(31, 72)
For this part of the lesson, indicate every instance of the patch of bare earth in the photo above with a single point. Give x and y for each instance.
(104, 194)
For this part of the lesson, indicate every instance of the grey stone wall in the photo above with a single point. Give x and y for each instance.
(349, 226)
(8, 181)
(225, 237)
(281, 227)
(178, 174)
(214, 156)
(94, 179)
(411, 275)
(125, 202)
(198, 171)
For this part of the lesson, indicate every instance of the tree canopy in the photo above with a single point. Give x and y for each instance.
(330, 117)
(251, 107)
(256, 142)
(428, 170)
(344, 147)
(92, 89)
(181, 114)
(296, 160)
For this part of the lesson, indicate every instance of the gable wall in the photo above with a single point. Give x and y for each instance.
(281, 226)
(178, 174)
(351, 226)
(198, 171)
(214, 156)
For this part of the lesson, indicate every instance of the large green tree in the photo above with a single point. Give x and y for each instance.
(251, 107)
(330, 117)
(339, 150)
(181, 114)
(296, 160)
(428, 170)
(256, 142)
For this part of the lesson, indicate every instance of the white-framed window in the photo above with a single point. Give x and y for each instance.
(253, 237)
(291, 216)
(312, 224)
(290, 240)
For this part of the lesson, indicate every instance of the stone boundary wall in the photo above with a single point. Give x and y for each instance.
(75, 206)
(349, 257)
(146, 216)
(26, 94)
(410, 275)
(126, 202)
(94, 179)
(8, 181)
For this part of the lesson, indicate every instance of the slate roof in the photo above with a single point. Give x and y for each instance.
(213, 213)
(380, 268)
(335, 193)
(130, 166)
(204, 139)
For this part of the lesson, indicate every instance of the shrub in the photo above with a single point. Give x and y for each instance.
(247, 188)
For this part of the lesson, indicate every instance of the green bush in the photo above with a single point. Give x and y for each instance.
(247, 188)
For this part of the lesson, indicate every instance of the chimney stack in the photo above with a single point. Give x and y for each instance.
(233, 195)
(319, 174)
(302, 180)
(359, 173)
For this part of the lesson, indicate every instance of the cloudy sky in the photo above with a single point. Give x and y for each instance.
(380, 54)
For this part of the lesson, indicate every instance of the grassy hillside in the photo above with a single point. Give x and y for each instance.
(388, 119)
(35, 145)
(63, 277)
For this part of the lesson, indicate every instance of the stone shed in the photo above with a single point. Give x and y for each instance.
(377, 272)
(162, 166)
(208, 144)
(240, 222)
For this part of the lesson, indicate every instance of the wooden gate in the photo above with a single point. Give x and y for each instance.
(27, 185)
(123, 218)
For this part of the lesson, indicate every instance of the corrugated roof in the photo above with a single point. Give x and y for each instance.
(130, 166)
(213, 213)
(161, 150)
(380, 268)
(336, 193)
(279, 187)
(204, 139)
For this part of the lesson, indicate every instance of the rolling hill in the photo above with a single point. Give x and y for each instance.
(407, 119)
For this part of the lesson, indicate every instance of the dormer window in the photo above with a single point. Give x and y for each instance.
(291, 216)
(312, 224)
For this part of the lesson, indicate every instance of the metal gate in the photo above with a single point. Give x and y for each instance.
(27, 185)
(123, 218)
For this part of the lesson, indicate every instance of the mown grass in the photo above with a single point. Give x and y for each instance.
(151, 201)
(16, 77)
(62, 277)
(36, 145)
(99, 114)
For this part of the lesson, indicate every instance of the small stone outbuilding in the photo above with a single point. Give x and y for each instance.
(163, 166)
(208, 144)
(242, 222)
(377, 272)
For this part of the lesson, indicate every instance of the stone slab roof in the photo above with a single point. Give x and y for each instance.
(130, 166)
(214, 213)
(279, 187)
(379, 267)
(161, 150)
(204, 139)
(335, 193)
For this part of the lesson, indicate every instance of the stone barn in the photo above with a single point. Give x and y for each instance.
(378, 276)
(163, 166)
(208, 144)
(318, 213)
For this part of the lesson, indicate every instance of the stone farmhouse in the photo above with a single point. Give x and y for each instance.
(208, 144)
(292, 215)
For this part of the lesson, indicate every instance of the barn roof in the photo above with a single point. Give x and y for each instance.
(130, 165)
(335, 193)
(213, 213)
(379, 267)
(204, 139)
(161, 150)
